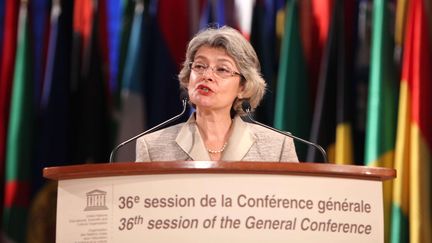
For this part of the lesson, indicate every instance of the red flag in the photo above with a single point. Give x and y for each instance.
(6, 76)
(411, 215)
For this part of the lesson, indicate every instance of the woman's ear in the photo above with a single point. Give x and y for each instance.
(240, 94)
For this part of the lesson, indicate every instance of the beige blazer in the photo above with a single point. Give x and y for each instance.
(248, 142)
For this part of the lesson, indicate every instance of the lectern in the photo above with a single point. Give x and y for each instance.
(206, 201)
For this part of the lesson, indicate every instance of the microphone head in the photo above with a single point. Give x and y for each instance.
(246, 106)
(184, 96)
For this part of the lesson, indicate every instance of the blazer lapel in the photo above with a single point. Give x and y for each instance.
(191, 142)
(240, 141)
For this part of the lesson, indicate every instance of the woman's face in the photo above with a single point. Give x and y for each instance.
(208, 90)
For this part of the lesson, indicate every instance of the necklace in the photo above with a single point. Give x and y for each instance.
(217, 151)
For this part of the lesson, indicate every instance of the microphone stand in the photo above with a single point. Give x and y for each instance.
(247, 109)
(113, 152)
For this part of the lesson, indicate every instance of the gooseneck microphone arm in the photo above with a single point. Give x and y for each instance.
(113, 152)
(247, 108)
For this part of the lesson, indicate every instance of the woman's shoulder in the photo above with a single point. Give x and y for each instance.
(261, 131)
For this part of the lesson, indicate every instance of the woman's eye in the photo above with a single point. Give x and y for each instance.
(200, 66)
(222, 70)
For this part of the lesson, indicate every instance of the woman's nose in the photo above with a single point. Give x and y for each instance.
(208, 74)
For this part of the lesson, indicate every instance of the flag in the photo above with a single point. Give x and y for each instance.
(114, 12)
(265, 42)
(400, 21)
(242, 13)
(361, 73)
(90, 101)
(222, 17)
(175, 37)
(382, 97)
(119, 46)
(2, 16)
(127, 17)
(205, 15)
(103, 39)
(132, 101)
(39, 32)
(39, 18)
(164, 46)
(292, 105)
(19, 153)
(428, 6)
(332, 118)
(344, 150)
(411, 211)
(7, 62)
(315, 17)
(52, 135)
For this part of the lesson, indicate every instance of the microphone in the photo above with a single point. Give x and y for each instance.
(247, 108)
(184, 98)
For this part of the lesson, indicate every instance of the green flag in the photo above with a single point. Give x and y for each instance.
(292, 111)
(382, 107)
(19, 139)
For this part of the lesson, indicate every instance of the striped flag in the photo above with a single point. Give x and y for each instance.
(331, 124)
(7, 62)
(292, 105)
(411, 211)
(382, 107)
(19, 152)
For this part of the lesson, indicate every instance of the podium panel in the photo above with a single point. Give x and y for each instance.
(214, 202)
(219, 208)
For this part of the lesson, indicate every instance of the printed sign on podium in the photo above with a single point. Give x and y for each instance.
(219, 202)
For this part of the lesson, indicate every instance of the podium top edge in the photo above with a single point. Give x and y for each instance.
(220, 167)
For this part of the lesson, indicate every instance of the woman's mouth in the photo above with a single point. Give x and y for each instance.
(203, 89)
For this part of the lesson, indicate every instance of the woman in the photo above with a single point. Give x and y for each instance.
(220, 71)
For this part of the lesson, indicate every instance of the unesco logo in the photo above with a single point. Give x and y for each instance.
(96, 200)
